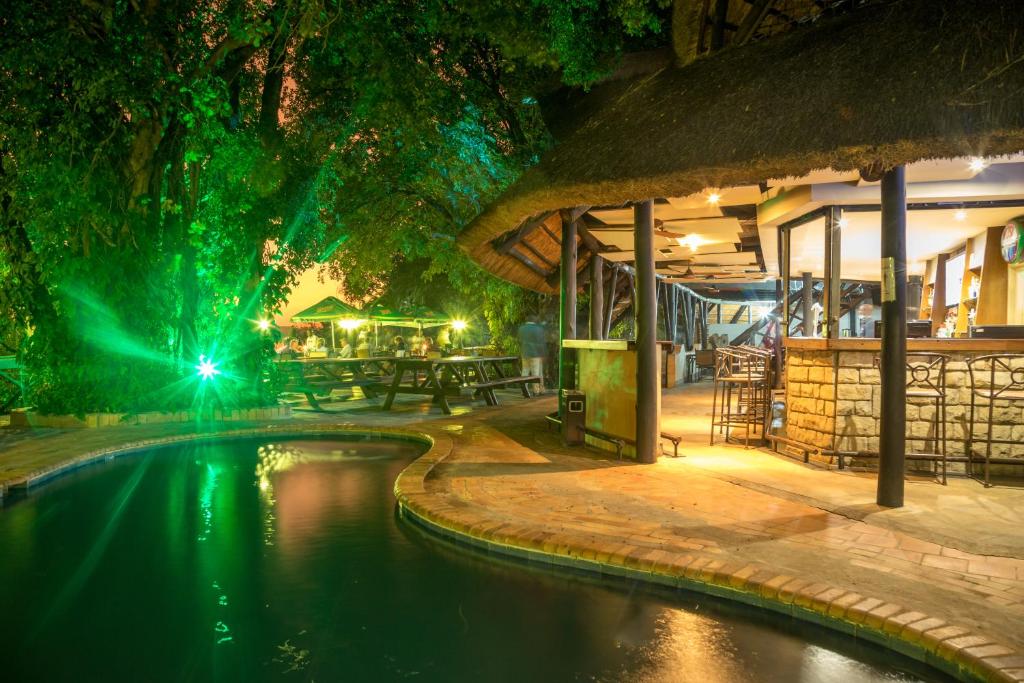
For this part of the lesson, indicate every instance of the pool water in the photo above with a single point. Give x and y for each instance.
(284, 560)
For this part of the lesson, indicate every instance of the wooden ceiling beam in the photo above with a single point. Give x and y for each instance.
(526, 261)
(752, 21)
(504, 245)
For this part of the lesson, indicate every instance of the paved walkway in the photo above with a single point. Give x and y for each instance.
(963, 515)
(737, 522)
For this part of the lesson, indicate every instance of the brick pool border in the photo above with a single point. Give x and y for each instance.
(946, 647)
(105, 453)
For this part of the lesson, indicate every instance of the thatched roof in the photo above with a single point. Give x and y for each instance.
(892, 84)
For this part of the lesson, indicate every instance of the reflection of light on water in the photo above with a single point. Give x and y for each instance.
(221, 630)
(206, 501)
(297, 500)
(271, 459)
(819, 664)
(685, 646)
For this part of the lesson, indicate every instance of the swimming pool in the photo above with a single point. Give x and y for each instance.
(265, 559)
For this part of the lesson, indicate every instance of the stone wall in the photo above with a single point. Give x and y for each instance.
(810, 397)
(839, 392)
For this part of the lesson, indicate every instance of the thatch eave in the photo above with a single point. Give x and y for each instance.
(894, 84)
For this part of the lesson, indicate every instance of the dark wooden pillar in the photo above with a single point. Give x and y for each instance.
(718, 24)
(781, 323)
(892, 444)
(784, 275)
(703, 325)
(853, 321)
(646, 316)
(939, 293)
(567, 312)
(915, 286)
(808, 305)
(833, 276)
(596, 297)
(613, 295)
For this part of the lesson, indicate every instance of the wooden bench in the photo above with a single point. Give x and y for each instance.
(618, 441)
(487, 388)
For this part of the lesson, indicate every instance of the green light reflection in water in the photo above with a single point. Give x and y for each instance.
(211, 554)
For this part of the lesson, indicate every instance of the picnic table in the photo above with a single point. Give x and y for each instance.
(320, 376)
(455, 376)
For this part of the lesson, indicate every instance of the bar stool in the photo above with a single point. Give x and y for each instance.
(926, 379)
(743, 374)
(995, 377)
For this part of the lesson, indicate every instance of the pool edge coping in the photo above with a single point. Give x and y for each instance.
(94, 456)
(945, 647)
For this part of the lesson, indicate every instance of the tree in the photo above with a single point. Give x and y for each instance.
(169, 167)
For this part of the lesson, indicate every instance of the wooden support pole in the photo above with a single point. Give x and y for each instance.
(718, 24)
(703, 325)
(939, 294)
(596, 297)
(807, 297)
(784, 275)
(613, 297)
(781, 305)
(674, 333)
(567, 312)
(645, 314)
(893, 369)
(833, 275)
(915, 287)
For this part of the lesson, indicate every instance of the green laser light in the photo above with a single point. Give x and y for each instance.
(206, 368)
(264, 325)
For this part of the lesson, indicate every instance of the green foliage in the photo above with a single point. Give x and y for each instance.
(168, 169)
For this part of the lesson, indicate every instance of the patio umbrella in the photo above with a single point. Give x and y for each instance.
(413, 316)
(327, 310)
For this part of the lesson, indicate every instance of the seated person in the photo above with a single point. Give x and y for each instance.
(314, 343)
(398, 346)
(290, 349)
(346, 349)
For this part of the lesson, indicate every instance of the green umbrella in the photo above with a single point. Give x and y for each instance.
(328, 310)
(413, 316)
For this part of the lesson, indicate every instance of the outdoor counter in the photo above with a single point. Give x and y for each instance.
(833, 395)
(606, 373)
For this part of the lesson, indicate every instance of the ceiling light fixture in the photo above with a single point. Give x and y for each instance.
(960, 215)
(714, 198)
(693, 241)
(978, 164)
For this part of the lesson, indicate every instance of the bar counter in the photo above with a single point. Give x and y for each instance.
(833, 396)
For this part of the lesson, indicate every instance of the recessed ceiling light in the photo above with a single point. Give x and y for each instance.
(978, 164)
(960, 215)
